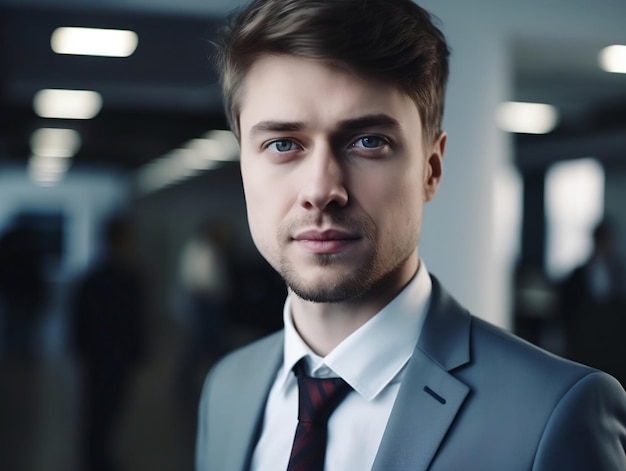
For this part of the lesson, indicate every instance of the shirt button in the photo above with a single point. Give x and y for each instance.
(324, 372)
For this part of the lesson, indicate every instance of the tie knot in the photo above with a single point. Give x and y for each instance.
(319, 397)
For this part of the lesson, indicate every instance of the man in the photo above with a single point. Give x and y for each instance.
(338, 105)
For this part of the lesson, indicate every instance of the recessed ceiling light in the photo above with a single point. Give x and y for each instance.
(225, 143)
(47, 171)
(199, 154)
(526, 118)
(613, 59)
(205, 149)
(193, 158)
(49, 165)
(53, 142)
(94, 42)
(67, 104)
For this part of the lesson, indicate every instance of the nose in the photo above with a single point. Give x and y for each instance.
(324, 181)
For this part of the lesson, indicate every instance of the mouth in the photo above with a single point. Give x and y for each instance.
(330, 241)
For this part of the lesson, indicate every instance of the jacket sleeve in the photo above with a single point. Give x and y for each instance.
(587, 429)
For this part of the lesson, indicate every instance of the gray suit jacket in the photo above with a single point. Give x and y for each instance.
(474, 397)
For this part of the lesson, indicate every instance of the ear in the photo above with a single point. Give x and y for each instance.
(434, 166)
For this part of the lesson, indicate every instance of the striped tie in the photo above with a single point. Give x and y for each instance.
(318, 398)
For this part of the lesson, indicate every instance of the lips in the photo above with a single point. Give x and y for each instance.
(326, 242)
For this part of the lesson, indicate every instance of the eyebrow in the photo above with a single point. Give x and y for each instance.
(279, 126)
(368, 121)
(353, 124)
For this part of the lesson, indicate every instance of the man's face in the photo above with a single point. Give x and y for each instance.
(335, 174)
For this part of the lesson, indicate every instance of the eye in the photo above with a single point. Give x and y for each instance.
(281, 145)
(369, 142)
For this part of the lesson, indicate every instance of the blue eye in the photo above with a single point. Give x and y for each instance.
(369, 142)
(281, 145)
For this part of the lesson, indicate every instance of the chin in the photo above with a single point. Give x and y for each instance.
(329, 289)
(331, 295)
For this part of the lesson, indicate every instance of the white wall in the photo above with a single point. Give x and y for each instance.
(460, 228)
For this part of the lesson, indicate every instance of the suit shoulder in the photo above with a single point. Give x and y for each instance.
(590, 422)
(495, 345)
(231, 402)
(248, 358)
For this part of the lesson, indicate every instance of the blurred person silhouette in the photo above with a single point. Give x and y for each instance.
(257, 301)
(204, 272)
(23, 299)
(536, 301)
(338, 106)
(23, 289)
(109, 341)
(593, 300)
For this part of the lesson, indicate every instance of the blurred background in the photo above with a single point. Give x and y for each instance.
(126, 266)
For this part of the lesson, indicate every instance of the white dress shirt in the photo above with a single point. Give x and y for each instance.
(371, 360)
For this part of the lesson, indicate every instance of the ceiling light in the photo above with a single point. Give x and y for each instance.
(197, 155)
(528, 118)
(49, 165)
(47, 171)
(94, 42)
(208, 149)
(67, 104)
(172, 167)
(613, 59)
(53, 142)
(224, 145)
(192, 159)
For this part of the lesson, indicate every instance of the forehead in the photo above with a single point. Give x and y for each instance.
(295, 88)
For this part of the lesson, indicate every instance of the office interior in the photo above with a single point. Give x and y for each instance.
(514, 217)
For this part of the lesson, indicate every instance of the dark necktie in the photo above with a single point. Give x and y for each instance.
(318, 398)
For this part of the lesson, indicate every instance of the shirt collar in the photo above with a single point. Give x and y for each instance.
(372, 356)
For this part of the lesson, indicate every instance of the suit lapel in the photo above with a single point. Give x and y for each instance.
(429, 397)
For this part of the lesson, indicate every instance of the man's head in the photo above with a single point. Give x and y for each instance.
(390, 40)
(337, 105)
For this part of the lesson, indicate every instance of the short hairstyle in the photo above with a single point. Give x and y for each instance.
(392, 40)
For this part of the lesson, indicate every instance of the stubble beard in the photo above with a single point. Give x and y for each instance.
(346, 285)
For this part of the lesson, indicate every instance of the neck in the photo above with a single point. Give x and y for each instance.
(323, 326)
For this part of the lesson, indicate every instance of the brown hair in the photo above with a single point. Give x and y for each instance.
(393, 40)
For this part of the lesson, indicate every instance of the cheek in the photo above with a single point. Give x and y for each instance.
(405, 204)
(264, 201)
(260, 227)
(254, 204)
(399, 193)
